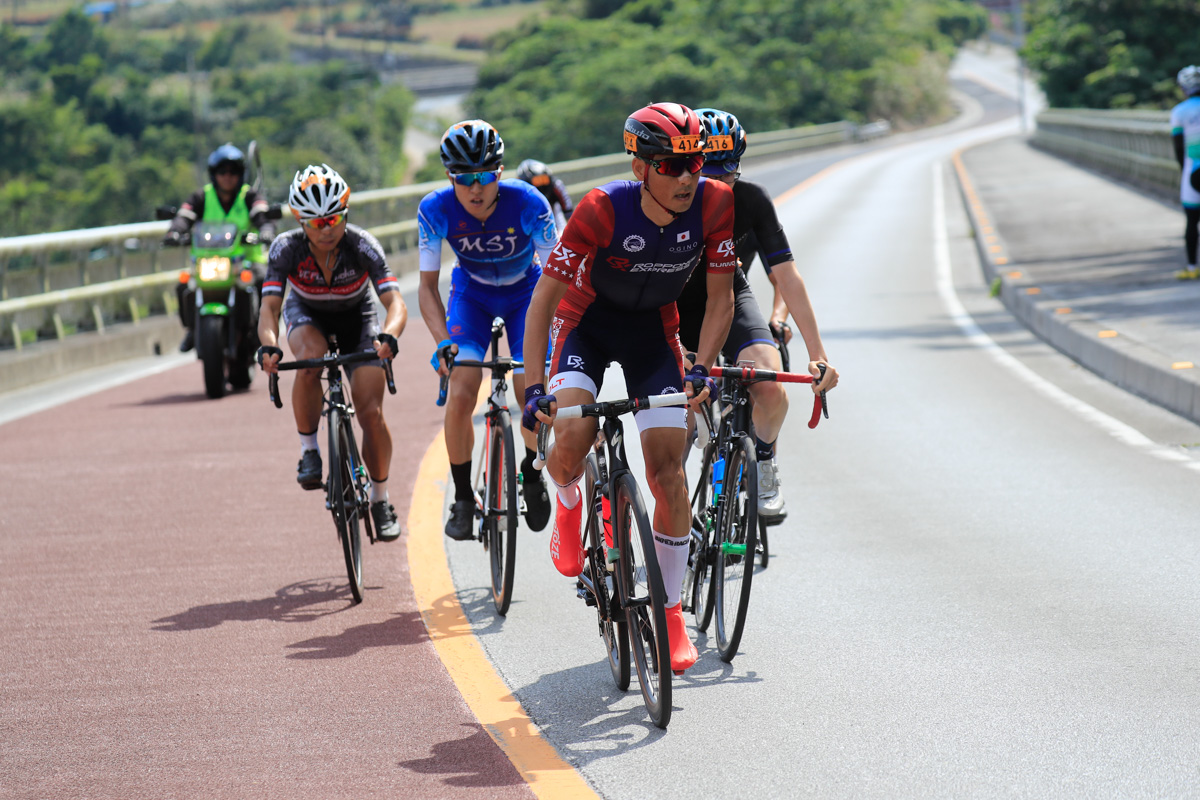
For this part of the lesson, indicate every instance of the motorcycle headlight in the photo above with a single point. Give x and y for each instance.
(215, 268)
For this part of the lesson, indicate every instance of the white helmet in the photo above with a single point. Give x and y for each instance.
(1189, 80)
(318, 192)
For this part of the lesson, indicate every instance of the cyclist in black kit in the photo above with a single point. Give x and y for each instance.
(554, 190)
(329, 266)
(756, 231)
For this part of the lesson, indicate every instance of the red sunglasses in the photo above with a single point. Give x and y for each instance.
(324, 222)
(676, 166)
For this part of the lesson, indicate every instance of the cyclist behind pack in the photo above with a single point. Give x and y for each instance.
(608, 294)
(756, 229)
(502, 232)
(329, 266)
(226, 198)
(554, 190)
(1185, 135)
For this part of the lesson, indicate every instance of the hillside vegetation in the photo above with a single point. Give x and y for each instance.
(561, 86)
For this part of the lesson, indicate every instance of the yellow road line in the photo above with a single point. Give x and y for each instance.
(813, 179)
(546, 773)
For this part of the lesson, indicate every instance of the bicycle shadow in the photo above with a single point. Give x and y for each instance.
(459, 761)
(297, 602)
(406, 628)
(174, 399)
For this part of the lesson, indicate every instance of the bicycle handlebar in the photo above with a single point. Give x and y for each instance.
(752, 374)
(504, 363)
(328, 360)
(611, 408)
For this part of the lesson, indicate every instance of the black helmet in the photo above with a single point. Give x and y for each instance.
(226, 154)
(534, 172)
(472, 146)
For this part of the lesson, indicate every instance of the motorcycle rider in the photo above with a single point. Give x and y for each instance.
(226, 198)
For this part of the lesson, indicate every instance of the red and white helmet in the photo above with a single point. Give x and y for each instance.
(664, 129)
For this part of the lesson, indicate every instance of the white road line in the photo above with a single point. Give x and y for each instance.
(945, 286)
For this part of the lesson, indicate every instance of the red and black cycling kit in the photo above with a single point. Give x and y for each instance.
(342, 305)
(756, 231)
(623, 275)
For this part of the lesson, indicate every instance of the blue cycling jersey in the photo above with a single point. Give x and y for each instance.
(498, 251)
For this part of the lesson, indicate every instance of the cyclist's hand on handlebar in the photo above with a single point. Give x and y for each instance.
(441, 357)
(699, 386)
(268, 358)
(826, 383)
(782, 329)
(385, 346)
(173, 239)
(539, 407)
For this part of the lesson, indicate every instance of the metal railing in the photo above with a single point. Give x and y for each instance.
(55, 284)
(1134, 146)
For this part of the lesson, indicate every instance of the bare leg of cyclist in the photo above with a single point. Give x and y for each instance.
(770, 409)
(460, 440)
(366, 389)
(662, 449)
(573, 438)
(307, 342)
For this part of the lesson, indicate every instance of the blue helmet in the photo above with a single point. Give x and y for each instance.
(226, 154)
(471, 146)
(726, 140)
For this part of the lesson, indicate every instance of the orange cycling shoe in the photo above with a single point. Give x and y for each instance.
(683, 652)
(566, 544)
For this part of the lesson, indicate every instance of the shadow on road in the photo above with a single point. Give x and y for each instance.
(297, 602)
(174, 399)
(459, 761)
(400, 629)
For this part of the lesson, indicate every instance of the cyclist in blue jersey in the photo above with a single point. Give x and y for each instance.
(756, 232)
(501, 233)
(1185, 135)
(329, 266)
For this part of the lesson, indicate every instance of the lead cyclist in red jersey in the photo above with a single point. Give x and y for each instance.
(608, 294)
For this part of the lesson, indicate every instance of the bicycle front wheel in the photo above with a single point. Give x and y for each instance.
(613, 628)
(502, 511)
(343, 500)
(641, 591)
(737, 527)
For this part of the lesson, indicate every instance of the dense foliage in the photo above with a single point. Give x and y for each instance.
(1112, 54)
(560, 87)
(98, 127)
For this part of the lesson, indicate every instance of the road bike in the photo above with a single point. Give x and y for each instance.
(725, 521)
(497, 498)
(621, 577)
(348, 487)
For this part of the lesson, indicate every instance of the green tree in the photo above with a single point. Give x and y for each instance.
(1114, 54)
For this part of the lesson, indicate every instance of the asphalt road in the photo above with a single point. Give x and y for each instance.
(986, 586)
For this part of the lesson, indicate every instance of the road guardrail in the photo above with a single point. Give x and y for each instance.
(1134, 146)
(56, 284)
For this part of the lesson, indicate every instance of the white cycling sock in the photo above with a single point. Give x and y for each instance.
(672, 561)
(379, 491)
(568, 494)
(308, 441)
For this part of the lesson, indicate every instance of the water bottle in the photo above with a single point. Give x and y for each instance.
(718, 475)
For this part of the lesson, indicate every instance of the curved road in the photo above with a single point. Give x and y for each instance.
(986, 586)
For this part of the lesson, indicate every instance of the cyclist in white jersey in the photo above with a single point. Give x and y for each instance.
(1185, 134)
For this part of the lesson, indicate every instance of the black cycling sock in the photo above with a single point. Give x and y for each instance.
(462, 481)
(527, 467)
(764, 450)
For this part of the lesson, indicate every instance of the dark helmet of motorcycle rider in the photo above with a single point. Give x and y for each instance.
(224, 161)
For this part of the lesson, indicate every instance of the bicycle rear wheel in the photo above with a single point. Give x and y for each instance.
(698, 585)
(343, 500)
(641, 589)
(502, 511)
(764, 550)
(613, 627)
(736, 542)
